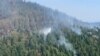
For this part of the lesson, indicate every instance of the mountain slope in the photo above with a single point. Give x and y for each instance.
(28, 29)
(31, 16)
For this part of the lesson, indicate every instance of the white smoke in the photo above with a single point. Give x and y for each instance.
(45, 32)
(61, 41)
(77, 30)
(28, 0)
(67, 44)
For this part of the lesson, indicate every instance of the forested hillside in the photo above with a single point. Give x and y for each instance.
(29, 29)
(20, 44)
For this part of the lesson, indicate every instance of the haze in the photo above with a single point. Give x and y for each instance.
(85, 10)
